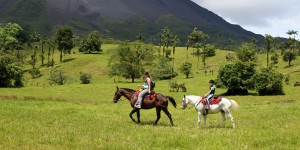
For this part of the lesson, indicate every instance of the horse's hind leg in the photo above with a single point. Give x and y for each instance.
(205, 117)
(132, 112)
(231, 118)
(168, 114)
(223, 118)
(158, 109)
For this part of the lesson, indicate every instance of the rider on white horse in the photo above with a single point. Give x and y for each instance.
(211, 93)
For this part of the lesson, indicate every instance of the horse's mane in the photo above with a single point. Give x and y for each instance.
(193, 96)
(127, 89)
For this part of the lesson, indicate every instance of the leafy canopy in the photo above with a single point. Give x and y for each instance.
(130, 59)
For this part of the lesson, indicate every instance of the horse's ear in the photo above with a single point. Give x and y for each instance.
(184, 96)
(117, 88)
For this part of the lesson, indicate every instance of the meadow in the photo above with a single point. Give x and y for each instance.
(76, 116)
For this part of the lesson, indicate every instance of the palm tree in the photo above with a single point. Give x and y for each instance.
(176, 41)
(141, 37)
(268, 46)
(292, 32)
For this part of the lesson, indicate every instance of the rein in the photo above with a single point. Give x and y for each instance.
(198, 102)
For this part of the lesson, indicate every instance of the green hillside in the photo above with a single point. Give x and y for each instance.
(97, 65)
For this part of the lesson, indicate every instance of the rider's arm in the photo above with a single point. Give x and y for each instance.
(149, 85)
(207, 93)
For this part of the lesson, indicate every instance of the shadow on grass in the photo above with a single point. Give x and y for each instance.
(93, 53)
(68, 60)
(151, 123)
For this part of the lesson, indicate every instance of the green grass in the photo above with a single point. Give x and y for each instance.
(76, 116)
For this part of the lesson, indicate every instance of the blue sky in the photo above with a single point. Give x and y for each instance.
(274, 17)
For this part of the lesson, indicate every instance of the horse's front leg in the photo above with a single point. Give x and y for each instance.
(138, 115)
(132, 112)
(199, 118)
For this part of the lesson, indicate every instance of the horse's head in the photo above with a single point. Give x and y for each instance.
(184, 102)
(117, 95)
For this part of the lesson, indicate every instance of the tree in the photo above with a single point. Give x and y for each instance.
(197, 39)
(289, 56)
(91, 43)
(186, 69)
(141, 37)
(237, 77)
(8, 35)
(292, 46)
(64, 40)
(209, 50)
(11, 72)
(43, 42)
(274, 59)
(165, 38)
(268, 41)
(162, 69)
(292, 32)
(130, 59)
(175, 42)
(51, 47)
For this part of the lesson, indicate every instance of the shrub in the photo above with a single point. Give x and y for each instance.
(268, 82)
(186, 69)
(10, 71)
(35, 73)
(210, 50)
(163, 70)
(85, 78)
(57, 77)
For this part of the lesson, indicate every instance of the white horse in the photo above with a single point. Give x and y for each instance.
(223, 107)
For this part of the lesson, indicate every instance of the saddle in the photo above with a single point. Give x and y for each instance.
(214, 100)
(148, 97)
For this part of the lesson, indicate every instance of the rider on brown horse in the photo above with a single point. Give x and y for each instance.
(148, 86)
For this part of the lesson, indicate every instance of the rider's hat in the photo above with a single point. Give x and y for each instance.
(211, 81)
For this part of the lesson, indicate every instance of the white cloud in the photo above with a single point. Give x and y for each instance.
(274, 17)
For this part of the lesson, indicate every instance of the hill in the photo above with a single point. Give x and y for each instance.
(123, 19)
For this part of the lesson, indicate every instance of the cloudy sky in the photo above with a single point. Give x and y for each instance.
(274, 17)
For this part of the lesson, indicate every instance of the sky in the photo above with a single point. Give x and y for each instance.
(273, 17)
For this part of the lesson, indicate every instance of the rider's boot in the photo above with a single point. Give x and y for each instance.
(137, 105)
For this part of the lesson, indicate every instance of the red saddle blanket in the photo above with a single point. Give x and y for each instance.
(212, 101)
(149, 97)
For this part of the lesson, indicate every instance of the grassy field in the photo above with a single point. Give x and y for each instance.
(75, 116)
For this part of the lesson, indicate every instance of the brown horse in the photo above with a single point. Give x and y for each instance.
(160, 102)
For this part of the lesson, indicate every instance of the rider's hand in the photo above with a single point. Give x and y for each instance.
(149, 92)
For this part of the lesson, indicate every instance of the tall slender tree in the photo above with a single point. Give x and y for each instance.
(176, 42)
(268, 42)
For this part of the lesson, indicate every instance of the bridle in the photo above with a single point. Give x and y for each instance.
(118, 93)
(184, 104)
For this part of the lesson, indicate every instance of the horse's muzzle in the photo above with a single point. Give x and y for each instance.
(115, 101)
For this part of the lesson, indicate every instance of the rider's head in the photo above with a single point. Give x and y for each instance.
(211, 82)
(146, 74)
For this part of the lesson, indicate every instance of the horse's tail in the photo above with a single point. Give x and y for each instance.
(172, 100)
(234, 104)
